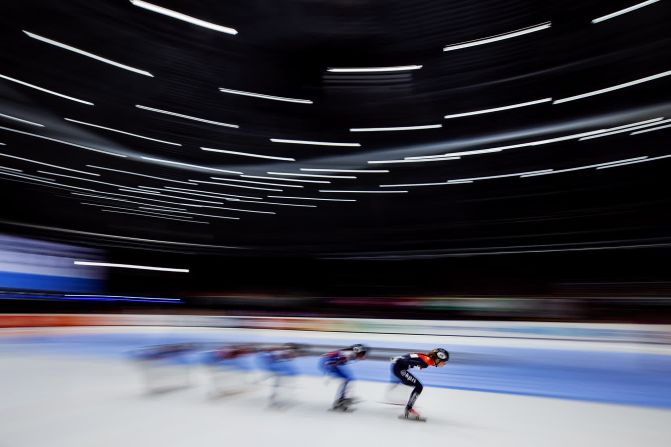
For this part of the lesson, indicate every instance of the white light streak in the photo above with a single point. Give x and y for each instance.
(137, 174)
(641, 160)
(314, 143)
(580, 168)
(284, 179)
(313, 198)
(131, 266)
(51, 92)
(210, 215)
(160, 212)
(140, 191)
(115, 199)
(394, 129)
(623, 11)
(403, 185)
(615, 87)
(63, 142)
(262, 96)
(214, 194)
(374, 69)
(651, 130)
(21, 120)
(422, 160)
(361, 192)
(498, 109)
(256, 183)
(279, 204)
(236, 186)
(514, 174)
(310, 175)
(80, 178)
(10, 169)
(183, 17)
(189, 165)
(47, 164)
(230, 209)
(454, 154)
(188, 117)
(351, 171)
(627, 128)
(247, 154)
(163, 208)
(497, 37)
(87, 54)
(153, 216)
(122, 132)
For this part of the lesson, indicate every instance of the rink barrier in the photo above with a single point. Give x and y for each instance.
(591, 332)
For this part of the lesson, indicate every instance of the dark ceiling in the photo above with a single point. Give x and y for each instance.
(283, 48)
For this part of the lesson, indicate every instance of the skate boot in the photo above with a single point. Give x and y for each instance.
(412, 415)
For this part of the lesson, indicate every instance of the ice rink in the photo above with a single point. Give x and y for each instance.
(78, 388)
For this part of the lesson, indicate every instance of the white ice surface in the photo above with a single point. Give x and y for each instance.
(70, 402)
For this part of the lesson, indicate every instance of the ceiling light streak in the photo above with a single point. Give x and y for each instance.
(643, 160)
(188, 165)
(615, 87)
(163, 208)
(423, 160)
(262, 96)
(131, 266)
(352, 171)
(623, 11)
(63, 142)
(403, 185)
(284, 179)
(651, 130)
(183, 17)
(188, 117)
(51, 92)
(314, 143)
(256, 183)
(129, 196)
(210, 192)
(247, 154)
(313, 198)
(87, 54)
(153, 216)
(360, 192)
(453, 154)
(47, 164)
(21, 120)
(279, 204)
(498, 109)
(236, 186)
(231, 209)
(140, 191)
(310, 175)
(115, 199)
(11, 169)
(580, 168)
(100, 205)
(374, 69)
(394, 129)
(497, 37)
(210, 215)
(628, 128)
(489, 177)
(122, 132)
(140, 175)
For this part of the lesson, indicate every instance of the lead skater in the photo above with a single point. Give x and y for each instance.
(333, 363)
(400, 366)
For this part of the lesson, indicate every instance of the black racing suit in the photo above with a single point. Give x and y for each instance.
(399, 368)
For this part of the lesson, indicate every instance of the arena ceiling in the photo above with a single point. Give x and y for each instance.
(338, 128)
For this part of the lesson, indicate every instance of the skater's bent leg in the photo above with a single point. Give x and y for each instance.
(414, 395)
